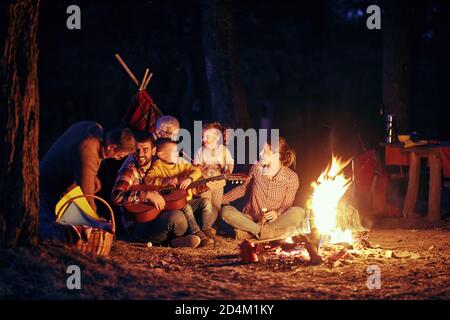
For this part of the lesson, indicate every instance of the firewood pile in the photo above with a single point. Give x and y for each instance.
(294, 252)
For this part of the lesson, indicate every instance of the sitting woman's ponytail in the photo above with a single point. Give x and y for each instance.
(289, 158)
(287, 155)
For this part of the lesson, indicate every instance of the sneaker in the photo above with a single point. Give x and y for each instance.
(189, 241)
(204, 240)
(242, 235)
(210, 232)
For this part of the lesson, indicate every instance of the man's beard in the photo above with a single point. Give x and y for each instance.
(143, 164)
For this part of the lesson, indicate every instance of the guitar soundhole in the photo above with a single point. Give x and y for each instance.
(165, 192)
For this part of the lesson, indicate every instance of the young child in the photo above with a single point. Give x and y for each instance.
(214, 159)
(167, 127)
(170, 170)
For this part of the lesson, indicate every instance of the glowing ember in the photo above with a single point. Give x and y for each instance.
(341, 236)
(289, 240)
(329, 188)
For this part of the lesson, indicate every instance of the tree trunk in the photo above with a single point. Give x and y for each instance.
(396, 24)
(19, 125)
(228, 102)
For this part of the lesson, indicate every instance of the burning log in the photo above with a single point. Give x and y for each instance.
(340, 254)
(334, 218)
(278, 245)
(313, 250)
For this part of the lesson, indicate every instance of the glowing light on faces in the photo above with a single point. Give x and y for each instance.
(143, 154)
(212, 137)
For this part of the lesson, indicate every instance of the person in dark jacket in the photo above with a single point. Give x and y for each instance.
(74, 159)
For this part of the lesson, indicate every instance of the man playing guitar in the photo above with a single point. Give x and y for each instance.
(170, 171)
(170, 224)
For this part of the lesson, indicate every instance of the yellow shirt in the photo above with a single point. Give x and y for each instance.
(161, 170)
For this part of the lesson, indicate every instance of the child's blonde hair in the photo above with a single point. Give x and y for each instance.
(166, 125)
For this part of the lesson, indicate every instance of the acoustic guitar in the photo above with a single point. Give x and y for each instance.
(174, 197)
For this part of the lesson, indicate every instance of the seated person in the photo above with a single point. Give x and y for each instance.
(166, 127)
(214, 159)
(74, 159)
(271, 188)
(169, 224)
(170, 170)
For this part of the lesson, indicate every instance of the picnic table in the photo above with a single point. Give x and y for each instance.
(438, 157)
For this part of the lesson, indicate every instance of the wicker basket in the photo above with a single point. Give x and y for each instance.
(100, 241)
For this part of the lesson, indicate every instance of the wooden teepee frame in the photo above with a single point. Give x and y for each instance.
(145, 80)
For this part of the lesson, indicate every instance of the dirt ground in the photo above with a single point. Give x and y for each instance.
(413, 263)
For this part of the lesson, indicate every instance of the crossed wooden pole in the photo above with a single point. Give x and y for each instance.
(145, 80)
(143, 85)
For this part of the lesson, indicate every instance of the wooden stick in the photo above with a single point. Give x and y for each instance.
(148, 80)
(269, 240)
(144, 79)
(124, 65)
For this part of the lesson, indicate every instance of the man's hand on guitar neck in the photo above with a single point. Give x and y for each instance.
(155, 198)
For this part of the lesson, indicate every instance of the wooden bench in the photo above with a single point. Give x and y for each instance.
(434, 193)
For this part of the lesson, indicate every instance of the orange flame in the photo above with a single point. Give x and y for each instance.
(329, 188)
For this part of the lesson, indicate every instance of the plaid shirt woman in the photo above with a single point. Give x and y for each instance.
(271, 187)
(275, 194)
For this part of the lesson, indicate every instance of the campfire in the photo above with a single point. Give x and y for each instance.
(329, 189)
(336, 221)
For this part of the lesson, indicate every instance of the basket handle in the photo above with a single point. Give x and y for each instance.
(111, 212)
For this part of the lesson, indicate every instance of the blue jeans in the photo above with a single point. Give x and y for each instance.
(169, 224)
(48, 228)
(202, 206)
(289, 222)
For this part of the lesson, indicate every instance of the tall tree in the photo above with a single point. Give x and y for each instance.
(228, 102)
(19, 126)
(397, 29)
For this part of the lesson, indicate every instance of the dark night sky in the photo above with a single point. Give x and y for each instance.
(311, 66)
